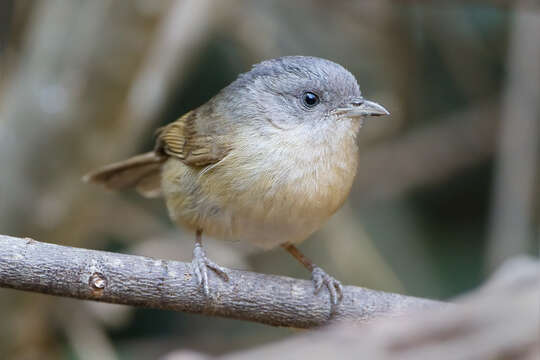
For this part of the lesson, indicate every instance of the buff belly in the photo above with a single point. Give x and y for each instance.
(262, 218)
(259, 213)
(266, 198)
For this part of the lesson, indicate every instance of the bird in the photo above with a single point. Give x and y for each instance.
(267, 160)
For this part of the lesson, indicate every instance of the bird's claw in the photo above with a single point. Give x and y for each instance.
(201, 264)
(320, 278)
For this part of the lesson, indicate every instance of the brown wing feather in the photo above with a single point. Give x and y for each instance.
(198, 138)
(187, 140)
(150, 185)
(141, 171)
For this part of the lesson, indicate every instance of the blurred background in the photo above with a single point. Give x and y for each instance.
(448, 185)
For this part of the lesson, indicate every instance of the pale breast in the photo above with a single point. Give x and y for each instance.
(274, 190)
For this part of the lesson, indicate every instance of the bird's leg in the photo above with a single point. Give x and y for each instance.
(318, 275)
(201, 264)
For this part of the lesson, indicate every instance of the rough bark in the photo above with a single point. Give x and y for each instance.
(498, 321)
(26, 264)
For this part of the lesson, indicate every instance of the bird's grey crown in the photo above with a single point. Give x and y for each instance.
(273, 90)
(321, 72)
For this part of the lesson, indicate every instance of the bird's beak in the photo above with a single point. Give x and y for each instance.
(362, 108)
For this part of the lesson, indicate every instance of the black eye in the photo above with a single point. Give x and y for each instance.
(310, 99)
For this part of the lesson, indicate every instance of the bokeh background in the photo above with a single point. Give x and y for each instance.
(448, 185)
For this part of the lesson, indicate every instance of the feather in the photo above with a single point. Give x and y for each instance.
(141, 171)
(191, 140)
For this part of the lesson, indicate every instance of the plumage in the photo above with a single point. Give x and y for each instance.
(236, 170)
(191, 140)
(140, 172)
(275, 192)
(257, 162)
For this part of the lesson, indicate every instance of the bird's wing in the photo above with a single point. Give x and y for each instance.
(193, 139)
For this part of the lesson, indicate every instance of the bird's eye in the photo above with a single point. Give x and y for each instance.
(310, 99)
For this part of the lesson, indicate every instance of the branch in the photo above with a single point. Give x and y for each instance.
(497, 321)
(26, 264)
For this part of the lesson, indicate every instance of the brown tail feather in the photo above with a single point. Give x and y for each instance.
(141, 172)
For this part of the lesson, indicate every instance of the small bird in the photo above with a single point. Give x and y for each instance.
(267, 160)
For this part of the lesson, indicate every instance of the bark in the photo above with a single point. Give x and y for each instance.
(26, 264)
(498, 321)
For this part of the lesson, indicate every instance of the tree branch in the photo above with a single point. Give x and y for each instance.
(26, 264)
(497, 321)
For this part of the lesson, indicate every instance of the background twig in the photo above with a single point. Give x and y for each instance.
(519, 147)
(429, 154)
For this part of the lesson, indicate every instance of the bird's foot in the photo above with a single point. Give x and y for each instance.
(320, 278)
(201, 264)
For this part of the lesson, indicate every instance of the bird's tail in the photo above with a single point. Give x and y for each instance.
(142, 172)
